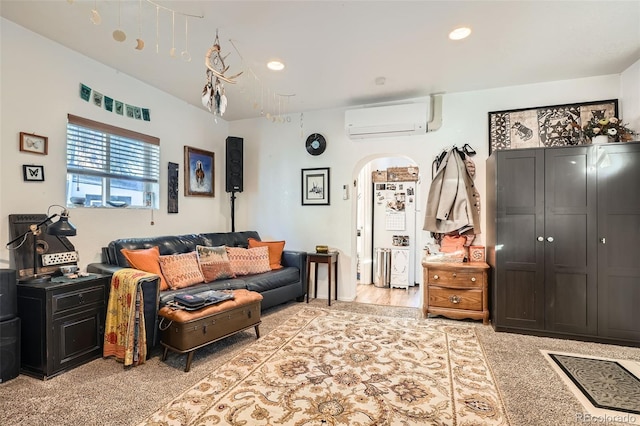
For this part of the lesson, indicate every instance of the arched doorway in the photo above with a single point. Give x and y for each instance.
(387, 216)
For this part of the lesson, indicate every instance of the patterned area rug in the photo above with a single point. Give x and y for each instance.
(609, 389)
(342, 368)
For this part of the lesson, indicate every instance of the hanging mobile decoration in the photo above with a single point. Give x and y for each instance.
(157, 29)
(186, 56)
(213, 93)
(172, 51)
(139, 40)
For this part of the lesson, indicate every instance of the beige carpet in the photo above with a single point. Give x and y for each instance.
(343, 368)
(102, 392)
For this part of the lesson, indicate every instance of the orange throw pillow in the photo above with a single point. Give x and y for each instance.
(147, 260)
(275, 251)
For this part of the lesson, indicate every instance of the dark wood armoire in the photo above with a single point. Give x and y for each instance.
(563, 240)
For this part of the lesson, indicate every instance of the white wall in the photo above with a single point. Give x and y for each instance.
(630, 96)
(39, 86)
(274, 154)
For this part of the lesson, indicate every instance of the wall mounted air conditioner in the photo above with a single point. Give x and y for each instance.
(386, 121)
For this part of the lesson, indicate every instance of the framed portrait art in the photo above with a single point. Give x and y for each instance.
(315, 187)
(198, 172)
(539, 127)
(36, 144)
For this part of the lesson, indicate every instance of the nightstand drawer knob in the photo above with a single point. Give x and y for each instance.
(454, 299)
(435, 277)
(455, 275)
(473, 279)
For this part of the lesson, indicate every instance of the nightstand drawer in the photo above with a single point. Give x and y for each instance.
(460, 279)
(65, 301)
(455, 298)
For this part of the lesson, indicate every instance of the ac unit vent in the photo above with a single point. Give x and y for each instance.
(387, 121)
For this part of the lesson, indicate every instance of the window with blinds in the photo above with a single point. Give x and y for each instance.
(108, 166)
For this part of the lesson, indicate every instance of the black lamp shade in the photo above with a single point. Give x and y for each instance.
(62, 227)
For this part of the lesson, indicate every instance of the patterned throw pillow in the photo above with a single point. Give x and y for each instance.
(249, 261)
(275, 251)
(214, 263)
(146, 260)
(181, 270)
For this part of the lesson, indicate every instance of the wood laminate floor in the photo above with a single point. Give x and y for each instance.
(369, 293)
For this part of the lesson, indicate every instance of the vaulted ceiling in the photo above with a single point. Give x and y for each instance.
(334, 51)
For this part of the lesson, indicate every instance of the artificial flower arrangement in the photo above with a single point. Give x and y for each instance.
(611, 127)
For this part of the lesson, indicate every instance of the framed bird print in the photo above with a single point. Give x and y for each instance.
(198, 172)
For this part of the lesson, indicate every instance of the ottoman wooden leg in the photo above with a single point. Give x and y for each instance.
(189, 359)
(257, 328)
(164, 354)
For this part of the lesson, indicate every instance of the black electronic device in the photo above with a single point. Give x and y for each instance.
(8, 295)
(9, 349)
(192, 302)
(233, 169)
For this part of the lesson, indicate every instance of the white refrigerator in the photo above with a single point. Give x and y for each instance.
(394, 228)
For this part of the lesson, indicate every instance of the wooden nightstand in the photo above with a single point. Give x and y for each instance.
(456, 290)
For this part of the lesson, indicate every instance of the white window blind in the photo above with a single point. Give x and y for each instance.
(125, 161)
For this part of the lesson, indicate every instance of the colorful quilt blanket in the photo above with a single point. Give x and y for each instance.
(124, 335)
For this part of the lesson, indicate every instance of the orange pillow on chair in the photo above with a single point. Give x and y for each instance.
(147, 260)
(275, 251)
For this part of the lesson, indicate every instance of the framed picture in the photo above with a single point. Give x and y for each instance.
(33, 173)
(315, 187)
(476, 254)
(34, 143)
(555, 125)
(198, 172)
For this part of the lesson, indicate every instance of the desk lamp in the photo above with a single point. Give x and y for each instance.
(60, 228)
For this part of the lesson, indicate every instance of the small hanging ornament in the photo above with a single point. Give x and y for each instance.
(207, 95)
(215, 62)
(213, 94)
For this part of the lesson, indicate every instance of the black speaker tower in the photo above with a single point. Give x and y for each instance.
(9, 326)
(233, 172)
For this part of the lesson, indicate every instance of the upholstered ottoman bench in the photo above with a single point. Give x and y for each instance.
(185, 331)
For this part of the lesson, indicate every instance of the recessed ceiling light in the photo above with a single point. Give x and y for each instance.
(275, 65)
(460, 33)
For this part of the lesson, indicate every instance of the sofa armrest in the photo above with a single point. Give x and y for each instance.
(296, 259)
(150, 296)
(102, 268)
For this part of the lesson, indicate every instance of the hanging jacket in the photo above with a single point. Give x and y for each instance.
(453, 201)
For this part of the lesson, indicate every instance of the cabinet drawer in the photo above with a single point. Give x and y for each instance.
(455, 298)
(74, 299)
(460, 278)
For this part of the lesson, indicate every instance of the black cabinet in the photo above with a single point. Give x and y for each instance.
(62, 323)
(560, 237)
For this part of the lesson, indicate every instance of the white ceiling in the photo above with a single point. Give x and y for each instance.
(334, 51)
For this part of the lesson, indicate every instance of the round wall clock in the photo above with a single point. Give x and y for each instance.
(316, 144)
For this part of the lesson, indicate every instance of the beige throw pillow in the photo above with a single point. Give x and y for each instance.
(249, 261)
(214, 263)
